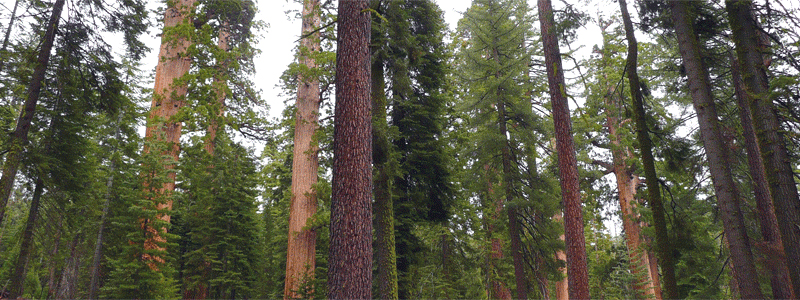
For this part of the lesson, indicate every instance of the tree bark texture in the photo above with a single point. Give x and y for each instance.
(567, 162)
(20, 136)
(214, 124)
(385, 254)
(767, 128)
(350, 262)
(717, 153)
(772, 247)
(67, 286)
(664, 247)
(173, 63)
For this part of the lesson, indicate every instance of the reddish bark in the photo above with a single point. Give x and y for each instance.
(350, 263)
(578, 275)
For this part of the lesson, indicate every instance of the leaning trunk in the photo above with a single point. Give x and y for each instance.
(17, 285)
(717, 154)
(20, 136)
(773, 245)
(767, 128)
(567, 162)
(664, 247)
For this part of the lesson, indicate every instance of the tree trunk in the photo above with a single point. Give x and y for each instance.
(562, 286)
(301, 254)
(67, 286)
(717, 153)
(567, 163)
(767, 128)
(350, 262)
(20, 136)
(664, 247)
(51, 280)
(8, 34)
(17, 286)
(773, 248)
(173, 63)
(385, 254)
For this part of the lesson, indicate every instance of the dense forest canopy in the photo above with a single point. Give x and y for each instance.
(392, 149)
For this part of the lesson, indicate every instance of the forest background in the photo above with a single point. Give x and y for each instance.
(195, 201)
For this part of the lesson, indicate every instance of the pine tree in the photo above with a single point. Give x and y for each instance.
(717, 153)
(567, 163)
(350, 268)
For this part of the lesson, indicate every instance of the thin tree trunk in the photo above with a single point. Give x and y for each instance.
(301, 254)
(94, 282)
(67, 286)
(51, 281)
(567, 162)
(513, 226)
(767, 128)
(385, 254)
(350, 262)
(562, 286)
(717, 154)
(20, 136)
(17, 286)
(168, 99)
(664, 247)
(773, 245)
(8, 34)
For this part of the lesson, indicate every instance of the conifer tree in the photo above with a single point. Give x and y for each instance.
(350, 267)
(567, 163)
(717, 153)
(301, 253)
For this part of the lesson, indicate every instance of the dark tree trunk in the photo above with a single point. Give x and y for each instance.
(577, 273)
(513, 225)
(664, 247)
(717, 153)
(767, 128)
(350, 262)
(773, 247)
(17, 285)
(20, 136)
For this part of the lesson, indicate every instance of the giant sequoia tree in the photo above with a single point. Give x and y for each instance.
(350, 270)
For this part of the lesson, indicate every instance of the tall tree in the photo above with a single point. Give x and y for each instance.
(770, 232)
(301, 253)
(168, 98)
(716, 152)
(767, 128)
(383, 164)
(664, 247)
(350, 261)
(19, 138)
(567, 163)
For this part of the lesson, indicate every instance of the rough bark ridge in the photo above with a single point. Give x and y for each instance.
(767, 128)
(350, 263)
(664, 247)
(301, 254)
(567, 162)
(173, 63)
(717, 153)
(20, 136)
(773, 245)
